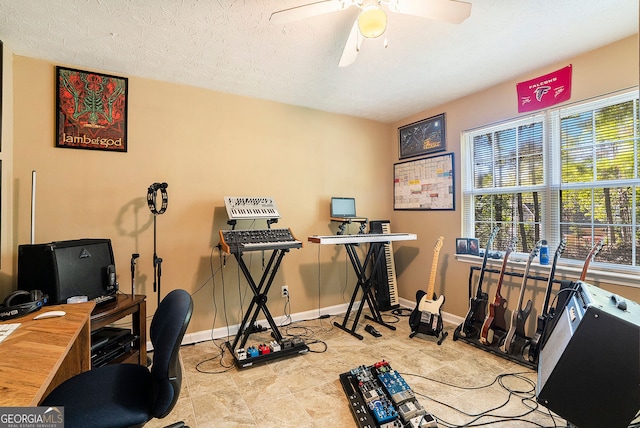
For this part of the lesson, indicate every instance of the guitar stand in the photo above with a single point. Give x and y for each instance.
(259, 304)
(473, 336)
(375, 257)
(443, 335)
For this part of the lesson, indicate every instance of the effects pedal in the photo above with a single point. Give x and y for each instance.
(372, 331)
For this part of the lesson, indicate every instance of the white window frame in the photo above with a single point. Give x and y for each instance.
(550, 221)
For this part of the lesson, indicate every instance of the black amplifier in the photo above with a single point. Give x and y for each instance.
(589, 368)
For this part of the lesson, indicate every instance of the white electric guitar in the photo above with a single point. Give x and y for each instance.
(426, 317)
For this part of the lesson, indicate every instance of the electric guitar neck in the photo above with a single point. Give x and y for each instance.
(519, 315)
(537, 340)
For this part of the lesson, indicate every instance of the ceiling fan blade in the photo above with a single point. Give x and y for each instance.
(352, 47)
(306, 11)
(452, 11)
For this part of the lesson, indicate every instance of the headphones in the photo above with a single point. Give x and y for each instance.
(22, 302)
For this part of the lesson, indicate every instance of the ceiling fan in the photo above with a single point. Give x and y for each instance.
(372, 19)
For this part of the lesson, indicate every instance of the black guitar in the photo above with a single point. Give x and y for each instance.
(537, 340)
(478, 304)
(515, 341)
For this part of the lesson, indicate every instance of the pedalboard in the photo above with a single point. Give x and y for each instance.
(379, 397)
(247, 357)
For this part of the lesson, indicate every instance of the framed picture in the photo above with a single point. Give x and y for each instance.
(91, 110)
(423, 137)
(461, 246)
(473, 246)
(424, 184)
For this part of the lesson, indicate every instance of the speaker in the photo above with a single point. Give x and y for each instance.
(21, 302)
(63, 269)
(589, 368)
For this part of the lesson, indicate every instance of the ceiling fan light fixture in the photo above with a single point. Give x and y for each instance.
(372, 21)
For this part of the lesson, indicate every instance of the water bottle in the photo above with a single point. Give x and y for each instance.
(544, 253)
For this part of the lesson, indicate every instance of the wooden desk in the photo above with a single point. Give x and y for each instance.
(41, 354)
(125, 305)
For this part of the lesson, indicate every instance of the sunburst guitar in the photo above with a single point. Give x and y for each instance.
(426, 318)
(495, 320)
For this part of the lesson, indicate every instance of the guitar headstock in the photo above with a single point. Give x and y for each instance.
(438, 244)
(535, 250)
(596, 248)
(493, 235)
(512, 244)
(561, 247)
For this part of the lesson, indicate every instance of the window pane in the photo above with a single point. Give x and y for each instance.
(506, 172)
(579, 241)
(576, 206)
(506, 144)
(576, 130)
(614, 160)
(577, 165)
(531, 170)
(614, 122)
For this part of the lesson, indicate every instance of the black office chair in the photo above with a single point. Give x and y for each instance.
(129, 395)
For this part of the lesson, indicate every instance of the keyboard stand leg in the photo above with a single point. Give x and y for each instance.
(364, 283)
(259, 301)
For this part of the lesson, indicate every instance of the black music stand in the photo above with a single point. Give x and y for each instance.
(374, 256)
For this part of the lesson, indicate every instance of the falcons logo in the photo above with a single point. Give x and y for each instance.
(540, 91)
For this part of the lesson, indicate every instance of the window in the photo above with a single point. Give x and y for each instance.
(572, 172)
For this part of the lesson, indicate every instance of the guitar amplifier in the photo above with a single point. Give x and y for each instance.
(589, 368)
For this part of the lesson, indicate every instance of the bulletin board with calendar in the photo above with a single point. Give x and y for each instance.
(424, 184)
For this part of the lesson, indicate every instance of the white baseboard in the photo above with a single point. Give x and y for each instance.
(220, 332)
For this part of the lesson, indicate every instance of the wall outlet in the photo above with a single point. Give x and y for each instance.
(285, 290)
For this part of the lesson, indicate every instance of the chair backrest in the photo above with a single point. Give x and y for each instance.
(167, 329)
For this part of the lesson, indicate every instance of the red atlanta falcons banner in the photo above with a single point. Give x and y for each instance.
(544, 91)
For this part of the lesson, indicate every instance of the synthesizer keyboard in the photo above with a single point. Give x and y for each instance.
(246, 208)
(240, 241)
(362, 238)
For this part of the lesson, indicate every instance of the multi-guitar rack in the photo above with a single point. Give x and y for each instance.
(237, 242)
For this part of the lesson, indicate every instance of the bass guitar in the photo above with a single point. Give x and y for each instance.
(537, 340)
(515, 341)
(478, 304)
(495, 319)
(594, 252)
(426, 318)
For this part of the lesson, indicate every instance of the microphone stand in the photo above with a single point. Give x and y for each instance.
(151, 201)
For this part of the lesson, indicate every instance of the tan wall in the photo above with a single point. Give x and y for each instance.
(205, 145)
(598, 72)
(208, 145)
(6, 155)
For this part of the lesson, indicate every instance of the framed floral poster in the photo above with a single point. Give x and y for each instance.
(91, 110)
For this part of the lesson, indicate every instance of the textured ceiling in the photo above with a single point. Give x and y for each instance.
(230, 46)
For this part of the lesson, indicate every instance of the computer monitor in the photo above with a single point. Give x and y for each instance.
(343, 207)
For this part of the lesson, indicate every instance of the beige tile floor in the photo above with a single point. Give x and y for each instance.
(456, 382)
